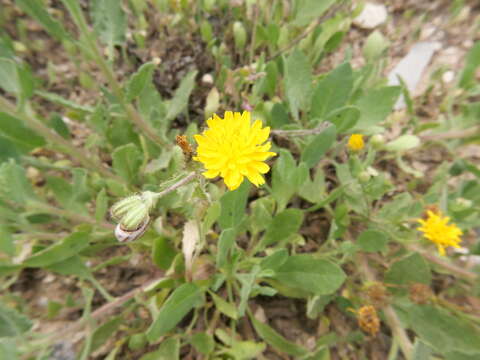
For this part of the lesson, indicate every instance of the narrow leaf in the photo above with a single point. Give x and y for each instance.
(179, 304)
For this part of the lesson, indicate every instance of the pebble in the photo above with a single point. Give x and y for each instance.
(371, 16)
(448, 76)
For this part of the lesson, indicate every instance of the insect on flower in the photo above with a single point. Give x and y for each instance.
(234, 148)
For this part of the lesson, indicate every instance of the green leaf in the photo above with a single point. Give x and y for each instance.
(472, 62)
(318, 146)
(68, 247)
(163, 253)
(9, 150)
(127, 160)
(180, 99)
(276, 340)
(403, 143)
(287, 178)
(307, 273)
(203, 343)
(283, 225)
(298, 82)
(12, 323)
(372, 240)
(71, 266)
(37, 10)
(376, 105)
(14, 184)
(169, 349)
(411, 269)
(139, 80)
(445, 333)
(57, 123)
(60, 100)
(375, 46)
(9, 79)
(13, 129)
(104, 332)
(212, 215)
(421, 351)
(261, 213)
(344, 118)
(274, 260)
(309, 10)
(8, 349)
(225, 307)
(6, 241)
(332, 92)
(65, 194)
(225, 243)
(109, 21)
(233, 204)
(180, 302)
(101, 205)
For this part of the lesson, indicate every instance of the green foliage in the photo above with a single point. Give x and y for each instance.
(94, 95)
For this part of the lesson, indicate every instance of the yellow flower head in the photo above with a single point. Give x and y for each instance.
(436, 229)
(355, 142)
(233, 148)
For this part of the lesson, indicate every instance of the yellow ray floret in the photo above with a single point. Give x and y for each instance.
(234, 148)
(355, 142)
(436, 229)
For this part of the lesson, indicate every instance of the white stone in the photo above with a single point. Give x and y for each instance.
(371, 16)
(411, 67)
(448, 76)
(207, 79)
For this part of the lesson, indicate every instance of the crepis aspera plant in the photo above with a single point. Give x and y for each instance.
(180, 178)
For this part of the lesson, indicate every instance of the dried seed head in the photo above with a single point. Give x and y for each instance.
(377, 295)
(368, 319)
(419, 293)
(185, 146)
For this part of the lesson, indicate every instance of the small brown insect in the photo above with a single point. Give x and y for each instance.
(368, 319)
(185, 146)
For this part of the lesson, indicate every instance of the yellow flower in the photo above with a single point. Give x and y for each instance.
(436, 229)
(355, 142)
(234, 148)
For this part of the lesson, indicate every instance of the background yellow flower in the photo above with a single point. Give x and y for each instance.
(234, 148)
(436, 229)
(355, 142)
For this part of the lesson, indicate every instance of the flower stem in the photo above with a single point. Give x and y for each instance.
(175, 186)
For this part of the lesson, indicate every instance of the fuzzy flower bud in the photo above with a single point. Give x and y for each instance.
(132, 214)
(377, 141)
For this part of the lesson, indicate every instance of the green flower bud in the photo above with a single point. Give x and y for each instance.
(133, 213)
(239, 35)
(364, 177)
(377, 141)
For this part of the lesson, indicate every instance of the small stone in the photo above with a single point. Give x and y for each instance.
(207, 79)
(448, 76)
(371, 16)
